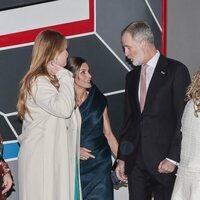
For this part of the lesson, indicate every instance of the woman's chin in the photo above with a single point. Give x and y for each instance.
(89, 85)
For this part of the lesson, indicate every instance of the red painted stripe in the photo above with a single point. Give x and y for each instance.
(164, 27)
(67, 29)
(91, 10)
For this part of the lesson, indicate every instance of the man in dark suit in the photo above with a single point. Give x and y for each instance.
(154, 101)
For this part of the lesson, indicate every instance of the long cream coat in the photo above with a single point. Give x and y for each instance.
(187, 184)
(49, 141)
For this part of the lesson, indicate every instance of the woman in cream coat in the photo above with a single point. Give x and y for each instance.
(49, 143)
(187, 184)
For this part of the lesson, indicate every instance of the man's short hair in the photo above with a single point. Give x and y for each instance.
(140, 31)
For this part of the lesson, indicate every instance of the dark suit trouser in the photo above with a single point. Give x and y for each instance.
(143, 185)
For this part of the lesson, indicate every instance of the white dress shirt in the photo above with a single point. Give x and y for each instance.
(150, 70)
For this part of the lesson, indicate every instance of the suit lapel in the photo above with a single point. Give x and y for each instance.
(137, 88)
(157, 80)
(134, 86)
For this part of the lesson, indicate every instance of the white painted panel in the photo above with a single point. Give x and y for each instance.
(42, 15)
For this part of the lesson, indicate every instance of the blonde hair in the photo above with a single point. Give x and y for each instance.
(193, 92)
(48, 44)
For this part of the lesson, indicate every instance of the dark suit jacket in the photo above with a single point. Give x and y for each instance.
(157, 129)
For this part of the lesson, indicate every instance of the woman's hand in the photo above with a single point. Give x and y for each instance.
(85, 154)
(7, 183)
(53, 68)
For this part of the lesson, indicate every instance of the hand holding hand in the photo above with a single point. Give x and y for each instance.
(85, 154)
(120, 171)
(166, 166)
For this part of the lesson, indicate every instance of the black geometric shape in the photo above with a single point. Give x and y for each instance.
(157, 9)
(6, 5)
(116, 110)
(5, 130)
(14, 63)
(16, 123)
(118, 14)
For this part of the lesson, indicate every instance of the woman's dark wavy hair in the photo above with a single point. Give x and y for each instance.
(74, 64)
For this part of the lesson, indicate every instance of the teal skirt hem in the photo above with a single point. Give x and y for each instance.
(77, 189)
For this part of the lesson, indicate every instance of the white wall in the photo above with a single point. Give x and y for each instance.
(183, 32)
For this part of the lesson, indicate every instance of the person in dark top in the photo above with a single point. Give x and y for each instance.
(97, 139)
(6, 180)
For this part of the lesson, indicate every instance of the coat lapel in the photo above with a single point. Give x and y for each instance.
(157, 80)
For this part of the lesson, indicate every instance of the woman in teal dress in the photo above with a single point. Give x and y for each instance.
(97, 140)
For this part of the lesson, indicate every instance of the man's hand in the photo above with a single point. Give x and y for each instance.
(166, 166)
(120, 171)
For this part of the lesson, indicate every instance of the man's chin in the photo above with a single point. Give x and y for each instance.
(136, 63)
